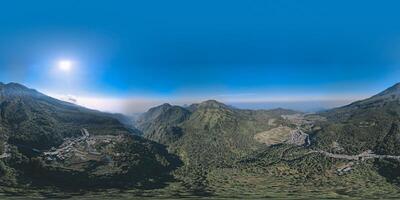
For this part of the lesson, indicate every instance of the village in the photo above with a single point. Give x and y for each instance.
(80, 149)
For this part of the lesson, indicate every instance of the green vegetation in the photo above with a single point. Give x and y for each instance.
(161, 123)
(207, 150)
(32, 123)
(208, 135)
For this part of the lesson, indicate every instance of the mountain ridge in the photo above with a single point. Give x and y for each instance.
(207, 147)
(86, 147)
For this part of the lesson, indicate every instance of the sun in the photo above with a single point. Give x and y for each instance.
(65, 65)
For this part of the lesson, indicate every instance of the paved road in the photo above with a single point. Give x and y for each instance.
(362, 156)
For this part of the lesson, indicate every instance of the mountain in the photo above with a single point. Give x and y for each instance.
(161, 123)
(382, 101)
(34, 119)
(221, 153)
(210, 124)
(334, 159)
(44, 139)
(362, 125)
(390, 144)
(369, 125)
(207, 148)
(208, 135)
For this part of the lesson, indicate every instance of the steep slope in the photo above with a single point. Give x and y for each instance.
(378, 104)
(211, 135)
(216, 134)
(45, 139)
(160, 123)
(361, 125)
(370, 124)
(41, 122)
(390, 145)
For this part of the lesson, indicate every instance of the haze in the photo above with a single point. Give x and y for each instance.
(127, 56)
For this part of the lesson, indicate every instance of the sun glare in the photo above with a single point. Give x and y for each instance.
(65, 65)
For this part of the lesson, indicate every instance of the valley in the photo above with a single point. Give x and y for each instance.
(227, 99)
(205, 150)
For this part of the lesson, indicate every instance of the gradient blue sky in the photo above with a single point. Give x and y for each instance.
(193, 50)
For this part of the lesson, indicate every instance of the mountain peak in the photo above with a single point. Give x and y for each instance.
(160, 107)
(212, 104)
(380, 100)
(166, 105)
(15, 86)
(16, 89)
(393, 90)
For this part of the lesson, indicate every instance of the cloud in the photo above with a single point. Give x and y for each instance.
(68, 98)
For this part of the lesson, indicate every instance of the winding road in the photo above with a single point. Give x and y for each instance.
(362, 156)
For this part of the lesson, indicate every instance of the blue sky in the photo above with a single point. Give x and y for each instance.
(194, 50)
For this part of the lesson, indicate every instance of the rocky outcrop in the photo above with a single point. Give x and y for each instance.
(299, 138)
